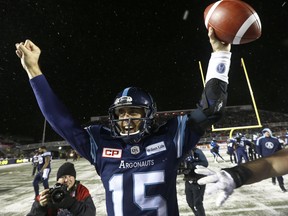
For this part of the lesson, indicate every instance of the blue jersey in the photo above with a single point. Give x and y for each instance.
(139, 179)
(266, 146)
(41, 160)
(214, 145)
(243, 143)
(231, 146)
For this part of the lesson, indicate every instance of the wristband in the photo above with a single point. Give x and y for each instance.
(219, 65)
(240, 174)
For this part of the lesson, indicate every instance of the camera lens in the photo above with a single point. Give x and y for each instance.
(57, 193)
(57, 196)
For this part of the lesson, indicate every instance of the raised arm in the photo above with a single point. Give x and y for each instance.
(52, 108)
(214, 96)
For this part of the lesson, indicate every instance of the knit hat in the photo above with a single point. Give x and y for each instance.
(66, 169)
(267, 130)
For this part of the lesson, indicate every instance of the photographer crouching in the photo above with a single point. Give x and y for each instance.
(68, 197)
(194, 192)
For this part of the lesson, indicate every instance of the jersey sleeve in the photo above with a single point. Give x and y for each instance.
(184, 137)
(59, 117)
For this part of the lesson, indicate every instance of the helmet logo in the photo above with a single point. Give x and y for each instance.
(135, 150)
(123, 100)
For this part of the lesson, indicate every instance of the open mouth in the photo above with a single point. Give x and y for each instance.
(128, 128)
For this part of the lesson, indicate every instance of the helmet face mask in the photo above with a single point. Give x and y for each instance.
(130, 120)
(132, 114)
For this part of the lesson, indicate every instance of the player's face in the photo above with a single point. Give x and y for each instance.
(67, 180)
(267, 134)
(130, 114)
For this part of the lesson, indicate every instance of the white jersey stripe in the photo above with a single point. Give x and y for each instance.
(179, 137)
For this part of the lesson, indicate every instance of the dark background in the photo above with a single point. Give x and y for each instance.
(93, 49)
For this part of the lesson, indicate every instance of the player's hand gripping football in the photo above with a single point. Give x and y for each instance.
(216, 44)
(219, 182)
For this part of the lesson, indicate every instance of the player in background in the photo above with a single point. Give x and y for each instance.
(231, 150)
(224, 182)
(266, 146)
(251, 149)
(34, 163)
(193, 191)
(255, 137)
(241, 148)
(281, 141)
(286, 138)
(136, 159)
(44, 169)
(214, 149)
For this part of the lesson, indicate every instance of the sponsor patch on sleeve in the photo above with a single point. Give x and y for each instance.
(112, 153)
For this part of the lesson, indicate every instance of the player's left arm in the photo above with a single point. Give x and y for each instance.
(214, 96)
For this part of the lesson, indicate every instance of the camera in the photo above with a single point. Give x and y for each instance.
(57, 192)
(185, 167)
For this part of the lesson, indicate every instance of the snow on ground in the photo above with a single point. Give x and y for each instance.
(260, 199)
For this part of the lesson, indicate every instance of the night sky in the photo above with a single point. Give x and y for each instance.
(93, 49)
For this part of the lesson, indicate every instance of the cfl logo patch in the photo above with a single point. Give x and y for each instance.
(112, 153)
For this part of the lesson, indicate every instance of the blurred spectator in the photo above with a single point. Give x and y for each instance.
(68, 197)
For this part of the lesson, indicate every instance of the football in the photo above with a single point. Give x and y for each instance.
(233, 21)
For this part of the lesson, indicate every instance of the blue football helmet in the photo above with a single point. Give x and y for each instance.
(136, 98)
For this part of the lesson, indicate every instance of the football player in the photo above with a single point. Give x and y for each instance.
(44, 169)
(136, 159)
(268, 145)
(224, 182)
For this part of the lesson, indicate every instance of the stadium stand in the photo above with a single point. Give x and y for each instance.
(234, 116)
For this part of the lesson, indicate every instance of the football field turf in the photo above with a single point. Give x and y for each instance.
(260, 199)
